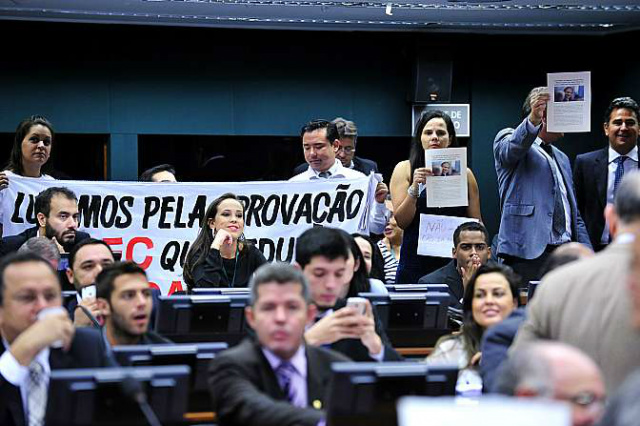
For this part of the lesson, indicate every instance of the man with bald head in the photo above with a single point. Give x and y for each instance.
(556, 371)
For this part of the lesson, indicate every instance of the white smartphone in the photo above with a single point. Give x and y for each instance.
(88, 292)
(359, 303)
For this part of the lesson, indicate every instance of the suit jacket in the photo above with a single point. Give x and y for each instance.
(448, 275)
(12, 243)
(354, 349)
(246, 392)
(590, 175)
(496, 342)
(526, 185)
(586, 304)
(360, 164)
(87, 351)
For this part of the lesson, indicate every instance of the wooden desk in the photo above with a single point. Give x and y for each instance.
(414, 352)
(205, 416)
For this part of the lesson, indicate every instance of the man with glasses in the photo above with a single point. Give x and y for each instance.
(347, 137)
(470, 251)
(557, 371)
(320, 143)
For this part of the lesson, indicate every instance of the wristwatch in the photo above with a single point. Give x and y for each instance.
(413, 192)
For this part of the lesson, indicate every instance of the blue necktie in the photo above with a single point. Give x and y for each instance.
(619, 173)
(284, 373)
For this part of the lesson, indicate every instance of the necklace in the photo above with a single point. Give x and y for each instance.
(235, 268)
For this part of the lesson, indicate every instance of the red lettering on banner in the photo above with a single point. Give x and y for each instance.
(154, 285)
(139, 240)
(175, 286)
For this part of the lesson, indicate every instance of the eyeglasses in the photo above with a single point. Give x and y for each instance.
(347, 149)
(586, 400)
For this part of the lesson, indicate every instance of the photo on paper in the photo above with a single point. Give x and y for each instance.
(446, 168)
(568, 93)
(447, 184)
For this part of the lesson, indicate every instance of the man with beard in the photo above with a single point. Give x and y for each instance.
(125, 302)
(57, 214)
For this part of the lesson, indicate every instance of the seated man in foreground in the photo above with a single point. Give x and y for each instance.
(35, 341)
(274, 379)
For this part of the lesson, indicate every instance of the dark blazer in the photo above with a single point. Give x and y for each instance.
(495, 344)
(448, 275)
(12, 243)
(246, 392)
(360, 164)
(88, 350)
(590, 175)
(354, 349)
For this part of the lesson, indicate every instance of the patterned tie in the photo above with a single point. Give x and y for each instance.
(324, 175)
(619, 173)
(284, 373)
(36, 395)
(559, 221)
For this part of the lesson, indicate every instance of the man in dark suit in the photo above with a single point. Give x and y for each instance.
(327, 263)
(57, 214)
(125, 302)
(595, 173)
(348, 134)
(34, 341)
(470, 251)
(537, 200)
(274, 379)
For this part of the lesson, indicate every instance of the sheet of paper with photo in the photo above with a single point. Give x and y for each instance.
(447, 187)
(435, 236)
(569, 107)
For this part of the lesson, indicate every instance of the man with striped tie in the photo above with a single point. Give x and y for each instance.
(274, 378)
(597, 174)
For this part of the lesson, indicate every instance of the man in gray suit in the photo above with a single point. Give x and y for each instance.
(586, 303)
(537, 200)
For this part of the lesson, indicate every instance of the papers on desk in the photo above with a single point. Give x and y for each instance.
(447, 187)
(569, 107)
(436, 234)
(487, 411)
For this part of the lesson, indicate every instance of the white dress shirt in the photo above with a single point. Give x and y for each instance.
(18, 375)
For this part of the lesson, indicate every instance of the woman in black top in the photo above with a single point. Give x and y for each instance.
(220, 256)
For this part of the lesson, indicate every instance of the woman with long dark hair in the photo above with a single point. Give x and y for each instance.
(434, 130)
(490, 296)
(30, 153)
(220, 256)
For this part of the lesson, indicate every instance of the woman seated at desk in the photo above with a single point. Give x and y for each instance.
(490, 296)
(220, 256)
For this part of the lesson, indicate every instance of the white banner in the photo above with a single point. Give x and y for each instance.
(154, 224)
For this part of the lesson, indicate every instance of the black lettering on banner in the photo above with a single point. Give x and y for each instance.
(274, 250)
(15, 217)
(287, 212)
(166, 208)
(89, 209)
(168, 261)
(273, 201)
(110, 205)
(151, 207)
(279, 250)
(31, 210)
(352, 211)
(263, 243)
(177, 223)
(126, 203)
(257, 202)
(198, 211)
(316, 207)
(338, 204)
(304, 209)
(185, 250)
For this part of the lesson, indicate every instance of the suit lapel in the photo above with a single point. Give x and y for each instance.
(317, 380)
(601, 172)
(267, 374)
(12, 400)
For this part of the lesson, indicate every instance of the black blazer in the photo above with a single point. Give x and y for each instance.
(448, 275)
(12, 243)
(88, 350)
(245, 389)
(590, 174)
(354, 349)
(360, 164)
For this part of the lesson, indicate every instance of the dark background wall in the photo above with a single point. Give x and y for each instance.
(227, 104)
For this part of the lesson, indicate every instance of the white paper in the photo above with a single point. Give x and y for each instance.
(436, 234)
(486, 411)
(448, 185)
(569, 107)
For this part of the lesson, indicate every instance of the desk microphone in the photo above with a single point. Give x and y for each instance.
(133, 389)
